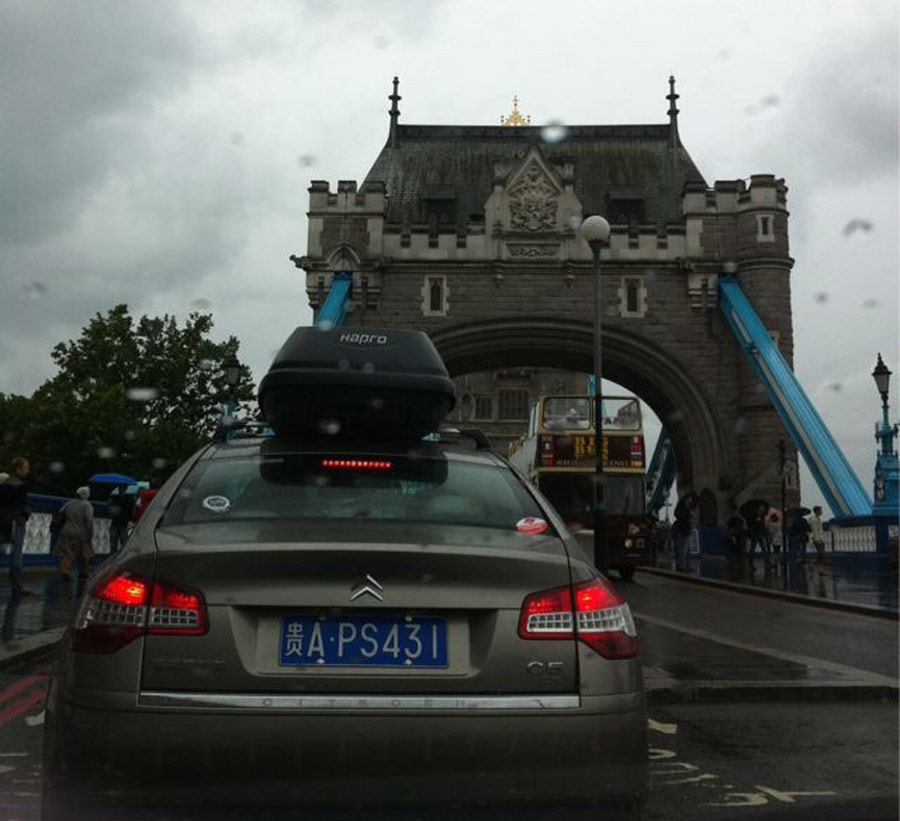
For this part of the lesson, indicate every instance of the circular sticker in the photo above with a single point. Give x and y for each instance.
(532, 524)
(217, 504)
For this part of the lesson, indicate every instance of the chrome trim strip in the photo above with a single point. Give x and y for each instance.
(305, 702)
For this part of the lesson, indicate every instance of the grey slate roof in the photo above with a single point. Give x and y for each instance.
(459, 162)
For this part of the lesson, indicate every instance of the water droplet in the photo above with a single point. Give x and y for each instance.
(368, 367)
(324, 324)
(159, 463)
(105, 452)
(376, 404)
(871, 303)
(142, 394)
(209, 364)
(554, 132)
(675, 417)
(320, 481)
(236, 138)
(129, 435)
(575, 222)
(306, 160)
(381, 42)
(836, 387)
(201, 304)
(330, 427)
(35, 290)
(723, 54)
(343, 364)
(740, 425)
(821, 297)
(770, 101)
(858, 224)
(56, 467)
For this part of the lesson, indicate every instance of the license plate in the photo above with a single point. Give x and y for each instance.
(363, 641)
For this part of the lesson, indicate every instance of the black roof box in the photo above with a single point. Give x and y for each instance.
(356, 383)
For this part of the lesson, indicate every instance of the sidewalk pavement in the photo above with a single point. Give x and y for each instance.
(854, 580)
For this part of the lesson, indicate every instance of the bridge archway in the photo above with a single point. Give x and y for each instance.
(640, 366)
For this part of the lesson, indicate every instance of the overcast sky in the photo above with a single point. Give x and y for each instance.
(158, 153)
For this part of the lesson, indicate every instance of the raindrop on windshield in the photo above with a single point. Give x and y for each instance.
(821, 297)
(343, 364)
(376, 403)
(368, 367)
(320, 481)
(35, 290)
(856, 225)
(56, 467)
(105, 452)
(159, 463)
(236, 138)
(129, 435)
(381, 42)
(836, 387)
(740, 425)
(306, 160)
(330, 427)
(554, 132)
(324, 324)
(201, 304)
(142, 394)
(870, 303)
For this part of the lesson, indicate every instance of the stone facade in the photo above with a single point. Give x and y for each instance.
(509, 284)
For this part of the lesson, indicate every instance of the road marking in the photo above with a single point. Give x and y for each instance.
(13, 755)
(23, 704)
(19, 686)
(660, 727)
(788, 797)
(6, 769)
(35, 720)
(796, 658)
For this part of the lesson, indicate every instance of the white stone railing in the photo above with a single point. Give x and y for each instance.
(859, 539)
(37, 535)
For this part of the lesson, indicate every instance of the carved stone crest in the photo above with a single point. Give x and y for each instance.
(532, 250)
(533, 201)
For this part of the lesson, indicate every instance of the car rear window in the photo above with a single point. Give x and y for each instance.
(340, 487)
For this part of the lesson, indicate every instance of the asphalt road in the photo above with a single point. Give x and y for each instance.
(759, 759)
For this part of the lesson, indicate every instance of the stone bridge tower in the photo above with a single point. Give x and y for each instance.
(470, 233)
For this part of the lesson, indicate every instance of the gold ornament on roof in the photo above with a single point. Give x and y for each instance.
(515, 118)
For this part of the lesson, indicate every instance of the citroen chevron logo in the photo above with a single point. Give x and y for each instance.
(367, 585)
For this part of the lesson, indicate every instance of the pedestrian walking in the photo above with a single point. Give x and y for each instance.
(759, 533)
(798, 534)
(681, 530)
(773, 526)
(76, 535)
(120, 506)
(817, 533)
(14, 514)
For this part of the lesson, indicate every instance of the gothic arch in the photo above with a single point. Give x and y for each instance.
(630, 360)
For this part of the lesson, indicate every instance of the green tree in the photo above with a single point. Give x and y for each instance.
(134, 397)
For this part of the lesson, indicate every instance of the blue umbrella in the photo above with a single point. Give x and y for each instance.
(111, 479)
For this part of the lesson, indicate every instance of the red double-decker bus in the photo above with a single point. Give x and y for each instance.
(557, 454)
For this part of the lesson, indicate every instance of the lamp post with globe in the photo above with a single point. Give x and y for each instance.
(887, 470)
(595, 231)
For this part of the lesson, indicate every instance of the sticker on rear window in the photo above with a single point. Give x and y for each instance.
(532, 524)
(217, 504)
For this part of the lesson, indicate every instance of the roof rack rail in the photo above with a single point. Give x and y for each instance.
(449, 434)
(229, 429)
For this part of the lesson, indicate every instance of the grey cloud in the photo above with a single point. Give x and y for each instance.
(69, 72)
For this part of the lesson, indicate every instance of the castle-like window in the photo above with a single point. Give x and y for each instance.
(434, 296)
(765, 228)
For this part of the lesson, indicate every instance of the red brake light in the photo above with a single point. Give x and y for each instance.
(122, 607)
(357, 464)
(600, 618)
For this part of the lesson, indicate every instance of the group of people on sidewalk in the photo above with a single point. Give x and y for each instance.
(71, 528)
(761, 528)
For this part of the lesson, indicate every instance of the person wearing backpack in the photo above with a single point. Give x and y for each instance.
(75, 521)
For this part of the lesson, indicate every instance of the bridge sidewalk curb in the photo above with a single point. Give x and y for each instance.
(13, 653)
(710, 692)
(795, 598)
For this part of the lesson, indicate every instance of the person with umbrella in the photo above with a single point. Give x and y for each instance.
(798, 532)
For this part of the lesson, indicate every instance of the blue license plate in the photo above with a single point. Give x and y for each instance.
(363, 641)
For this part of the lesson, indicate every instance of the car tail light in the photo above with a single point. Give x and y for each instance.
(591, 611)
(121, 607)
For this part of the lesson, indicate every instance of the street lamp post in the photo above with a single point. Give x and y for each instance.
(595, 230)
(887, 471)
(232, 368)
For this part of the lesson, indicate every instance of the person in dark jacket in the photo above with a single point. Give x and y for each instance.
(759, 533)
(681, 530)
(120, 506)
(14, 513)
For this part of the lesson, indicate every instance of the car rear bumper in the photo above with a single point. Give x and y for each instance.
(278, 756)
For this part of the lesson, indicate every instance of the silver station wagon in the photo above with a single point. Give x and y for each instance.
(334, 623)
